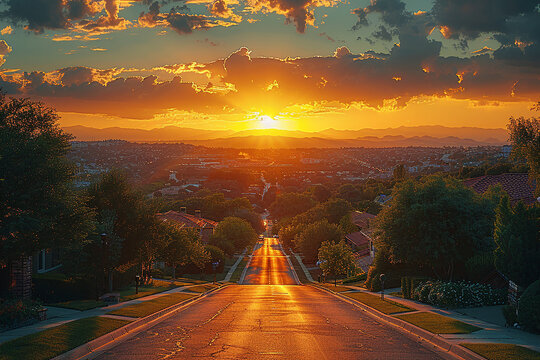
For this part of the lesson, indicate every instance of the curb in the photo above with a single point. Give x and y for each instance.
(434, 339)
(242, 277)
(91, 348)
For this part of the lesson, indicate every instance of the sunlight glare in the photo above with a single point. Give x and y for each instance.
(267, 122)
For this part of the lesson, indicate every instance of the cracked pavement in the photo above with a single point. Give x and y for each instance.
(270, 322)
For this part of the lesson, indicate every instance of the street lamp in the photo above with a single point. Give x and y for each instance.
(105, 244)
(137, 282)
(382, 277)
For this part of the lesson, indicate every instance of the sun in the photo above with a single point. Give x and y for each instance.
(267, 122)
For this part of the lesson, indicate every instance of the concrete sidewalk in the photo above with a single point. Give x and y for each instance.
(484, 317)
(57, 316)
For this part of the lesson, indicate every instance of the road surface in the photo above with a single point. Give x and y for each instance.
(270, 322)
(269, 266)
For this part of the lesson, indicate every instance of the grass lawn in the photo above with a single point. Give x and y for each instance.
(55, 341)
(201, 288)
(385, 306)
(146, 308)
(239, 269)
(438, 324)
(337, 288)
(502, 351)
(80, 304)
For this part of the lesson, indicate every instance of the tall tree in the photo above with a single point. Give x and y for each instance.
(290, 204)
(525, 138)
(517, 237)
(313, 235)
(436, 223)
(233, 234)
(336, 259)
(38, 206)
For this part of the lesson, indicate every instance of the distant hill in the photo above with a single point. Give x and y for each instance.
(167, 133)
(263, 142)
(433, 136)
(475, 133)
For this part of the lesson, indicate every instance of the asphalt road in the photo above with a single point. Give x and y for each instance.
(269, 266)
(270, 322)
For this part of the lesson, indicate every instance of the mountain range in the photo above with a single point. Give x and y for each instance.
(430, 136)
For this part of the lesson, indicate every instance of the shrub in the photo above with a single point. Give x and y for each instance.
(510, 314)
(529, 308)
(16, 311)
(409, 283)
(458, 294)
(355, 278)
(52, 290)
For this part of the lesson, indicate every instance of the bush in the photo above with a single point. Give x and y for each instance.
(529, 308)
(510, 314)
(14, 312)
(409, 283)
(458, 294)
(355, 278)
(51, 290)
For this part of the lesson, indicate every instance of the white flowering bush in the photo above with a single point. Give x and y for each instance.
(449, 294)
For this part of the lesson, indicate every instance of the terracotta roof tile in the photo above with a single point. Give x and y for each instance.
(186, 220)
(518, 186)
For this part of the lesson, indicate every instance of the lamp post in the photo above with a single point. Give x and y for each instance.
(214, 268)
(382, 277)
(105, 244)
(137, 282)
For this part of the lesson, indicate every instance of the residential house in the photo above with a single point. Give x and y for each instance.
(361, 241)
(183, 220)
(519, 186)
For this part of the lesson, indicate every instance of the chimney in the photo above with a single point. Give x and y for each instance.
(198, 213)
(183, 209)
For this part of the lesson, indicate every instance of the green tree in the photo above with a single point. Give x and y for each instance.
(38, 206)
(313, 235)
(321, 193)
(400, 172)
(517, 238)
(435, 224)
(233, 234)
(290, 204)
(346, 225)
(525, 138)
(336, 259)
(182, 247)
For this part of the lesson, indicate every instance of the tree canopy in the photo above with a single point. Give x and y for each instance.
(233, 234)
(436, 223)
(336, 258)
(38, 206)
(290, 204)
(517, 237)
(525, 138)
(309, 240)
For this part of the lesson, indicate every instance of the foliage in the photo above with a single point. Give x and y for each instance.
(290, 204)
(435, 224)
(382, 265)
(525, 138)
(369, 206)
(52, 290)
(518, 242)
(336, 258)
(313, 235)
(181, 247)
(233, 234)
(400, 172)
(17, 311)
(38, 205)
(346, 225)
(216, 255)
(529, 308)
(510, 314)
(321, 193)
(355, 278)
(409, 283)
(449, 294)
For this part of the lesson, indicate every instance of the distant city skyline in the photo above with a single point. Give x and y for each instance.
(258, 64)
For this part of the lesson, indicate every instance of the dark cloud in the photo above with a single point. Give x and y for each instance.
(185, 24)
(36, 15)
(383, 34)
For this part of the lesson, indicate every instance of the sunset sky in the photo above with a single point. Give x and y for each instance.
(288, 64)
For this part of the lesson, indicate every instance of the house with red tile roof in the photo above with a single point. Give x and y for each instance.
(519, 186)
(184, 220)
(360, 241)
